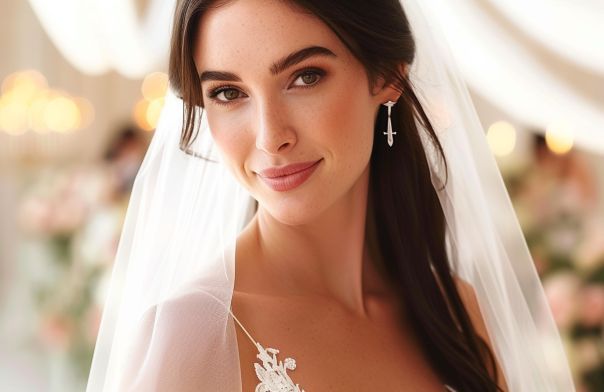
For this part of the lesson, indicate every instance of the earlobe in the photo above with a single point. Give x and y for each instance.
(384, 94)
(391, 96)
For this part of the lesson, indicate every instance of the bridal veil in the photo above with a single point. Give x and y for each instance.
(166, 324)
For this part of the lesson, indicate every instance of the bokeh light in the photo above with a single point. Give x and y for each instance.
(147, 110)
(37, 109)
(86, 112)
(23, 86)
(13, 116)
(155, 85)
(559, 137)
(61, 114)
(502, 138)
(140, 115)
(27, 103)
(153, 111)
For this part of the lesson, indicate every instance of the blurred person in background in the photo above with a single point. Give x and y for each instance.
(70, 218)
(124, 155)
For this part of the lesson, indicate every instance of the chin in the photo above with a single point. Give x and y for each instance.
(292, 211)
(297, 218)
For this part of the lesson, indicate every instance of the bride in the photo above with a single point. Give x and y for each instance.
(366, 256)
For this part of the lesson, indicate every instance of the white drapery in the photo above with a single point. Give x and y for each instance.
(506, 74)
(97, 36)
(569, 28)
(100, 35)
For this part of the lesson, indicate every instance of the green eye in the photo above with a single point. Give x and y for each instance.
(230, 93)
(310, 77)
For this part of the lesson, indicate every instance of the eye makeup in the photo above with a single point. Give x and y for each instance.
(309, 71)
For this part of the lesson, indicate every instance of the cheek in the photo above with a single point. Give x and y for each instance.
(231, 142)
(348, 122)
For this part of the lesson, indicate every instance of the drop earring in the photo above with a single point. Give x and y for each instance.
(389, 132)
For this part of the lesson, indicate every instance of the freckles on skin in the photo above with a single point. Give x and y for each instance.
(350, 117)
(232, 145)
(245, 36)
(332, 120)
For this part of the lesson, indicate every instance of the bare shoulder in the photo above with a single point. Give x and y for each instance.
(470, 301)
(191, 307)
(468, 296)
(182, 343)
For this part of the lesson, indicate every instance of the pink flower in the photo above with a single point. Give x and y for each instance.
(590, 252)
(561, 292)
(591, 309)
(68, 214)
(34, 215)
(93, 322)
(55, 331)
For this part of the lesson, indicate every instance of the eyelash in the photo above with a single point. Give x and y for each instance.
(307, 71)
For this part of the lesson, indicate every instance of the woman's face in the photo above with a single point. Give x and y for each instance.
(318, 109)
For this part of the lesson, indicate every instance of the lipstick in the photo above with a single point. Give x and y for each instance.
(282, 179)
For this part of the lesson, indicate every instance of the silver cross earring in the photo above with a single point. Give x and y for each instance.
(389, 132)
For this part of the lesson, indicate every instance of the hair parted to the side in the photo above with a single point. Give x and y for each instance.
(410, 236)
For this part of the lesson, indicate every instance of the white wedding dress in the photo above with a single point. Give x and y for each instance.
(272, 373)
(189, 343)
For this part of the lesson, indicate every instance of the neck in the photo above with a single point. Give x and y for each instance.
(328, 257)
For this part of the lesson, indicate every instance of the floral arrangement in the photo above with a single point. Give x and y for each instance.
(556, 203)
(73, 217)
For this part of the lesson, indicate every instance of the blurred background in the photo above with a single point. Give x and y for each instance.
(82, 85)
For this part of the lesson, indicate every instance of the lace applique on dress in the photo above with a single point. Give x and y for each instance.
(273, 373)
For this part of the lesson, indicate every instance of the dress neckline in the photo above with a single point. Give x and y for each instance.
(273, 373)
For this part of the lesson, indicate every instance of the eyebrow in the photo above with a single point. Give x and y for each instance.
(276, 68)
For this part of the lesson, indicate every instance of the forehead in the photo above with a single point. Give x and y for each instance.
(245, 35)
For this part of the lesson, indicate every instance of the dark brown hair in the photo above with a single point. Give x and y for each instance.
(410, 236)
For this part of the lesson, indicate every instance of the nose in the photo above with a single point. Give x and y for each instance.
(274, 135)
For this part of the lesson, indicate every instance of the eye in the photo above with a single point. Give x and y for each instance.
(230, 93)
(310, 75)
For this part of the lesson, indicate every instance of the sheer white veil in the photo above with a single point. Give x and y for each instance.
(166, 324)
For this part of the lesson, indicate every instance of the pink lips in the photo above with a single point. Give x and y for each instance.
(288, 177)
